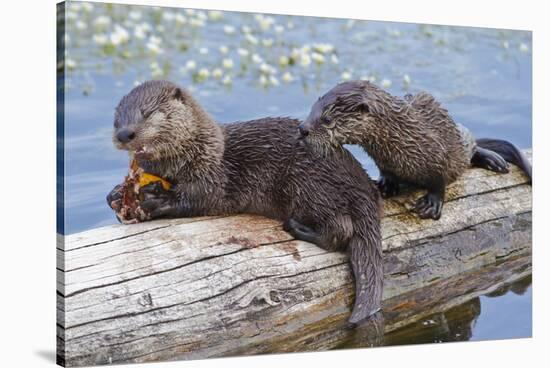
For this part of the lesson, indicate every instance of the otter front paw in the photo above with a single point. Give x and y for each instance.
(388, 186)
(114, 198)
(156, 202)
(429, 206)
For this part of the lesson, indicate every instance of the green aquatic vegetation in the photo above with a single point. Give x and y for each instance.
(214, 48)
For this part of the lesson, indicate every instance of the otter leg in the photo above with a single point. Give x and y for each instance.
(489, 160)
(388, 184)
(430, 205)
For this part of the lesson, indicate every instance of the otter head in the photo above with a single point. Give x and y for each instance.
(156, 120)
(342, 116)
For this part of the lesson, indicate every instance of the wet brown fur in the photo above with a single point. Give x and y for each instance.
(414, 138)
(257, 167)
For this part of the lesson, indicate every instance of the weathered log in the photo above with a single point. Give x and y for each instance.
(217, 286)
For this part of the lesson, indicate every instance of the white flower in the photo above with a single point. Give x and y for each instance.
(263, 80)
(318, 58)
(257, 58)
(139, 32)
(251, 39)
(283, 60)
(323, 48)
(267, 42)
(80, 25)
(156, 70)
(246, 29)
(100, 38)
(524, 48)
(119, 36)
(228, 29)
(168, 16)
(215, 15)
(156, 40)
(180, 19)
(386, 83)
(196, 22)
(70, 63)
(135, 15)
(224, 49)
(334, 59)
(243, 52)
(227, 63)
(160, 28)
(87, 7)
(346, 75)
(505, 44)
(75, 6)
(203, 73)
(203, 51)
(217, 73)
(268, 69)
(264, 21)
(305, 60)
(154, 48)
(136, 83)
(226, 80)
(279, 29)
(273, 80)
(145, 26)
(406, 79)
(102, 21)
(201, 15)
(289, 24)
(71, 15)
(190, 65)
(287, 77)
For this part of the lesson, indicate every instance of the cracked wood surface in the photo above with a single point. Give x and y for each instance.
(216, 286)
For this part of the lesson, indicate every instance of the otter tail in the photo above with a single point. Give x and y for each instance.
(508, 152)
(366, 263)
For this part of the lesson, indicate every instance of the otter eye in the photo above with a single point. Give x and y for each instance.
(329, 123)
(145, 113)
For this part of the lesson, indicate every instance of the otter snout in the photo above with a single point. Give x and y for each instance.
(125, 135)
(304, 130)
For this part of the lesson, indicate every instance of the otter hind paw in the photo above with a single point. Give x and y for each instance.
(300, 231)
(489, 160)
(429, 206)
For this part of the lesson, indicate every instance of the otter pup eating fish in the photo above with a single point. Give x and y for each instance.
(254, 167)
(412, 140)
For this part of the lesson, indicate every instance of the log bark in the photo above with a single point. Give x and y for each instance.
(218, 286)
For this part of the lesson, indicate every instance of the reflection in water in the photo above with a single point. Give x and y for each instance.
(509, 305)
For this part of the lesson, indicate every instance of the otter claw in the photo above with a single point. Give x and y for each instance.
(429, 206)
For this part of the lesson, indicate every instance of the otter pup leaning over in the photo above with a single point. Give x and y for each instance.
(252, 167)
(412, 140)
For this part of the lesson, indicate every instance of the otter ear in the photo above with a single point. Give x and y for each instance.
(178, 94)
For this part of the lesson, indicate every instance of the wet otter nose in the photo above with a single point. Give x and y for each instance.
(125, 135)
(304, 132)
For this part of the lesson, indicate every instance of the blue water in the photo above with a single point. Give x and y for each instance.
(483, 77)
